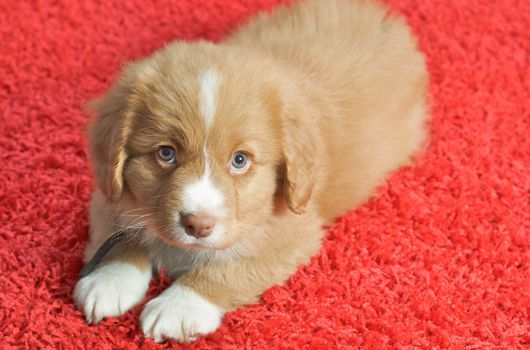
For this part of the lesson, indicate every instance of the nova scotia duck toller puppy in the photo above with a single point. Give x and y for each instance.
(220, 163)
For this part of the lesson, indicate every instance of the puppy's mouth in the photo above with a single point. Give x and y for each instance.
(191, 242)
(180, 238)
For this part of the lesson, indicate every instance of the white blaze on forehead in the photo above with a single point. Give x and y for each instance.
(209, 83)
(202, 195)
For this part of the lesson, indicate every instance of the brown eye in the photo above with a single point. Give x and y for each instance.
(239, 163)
(166, 154)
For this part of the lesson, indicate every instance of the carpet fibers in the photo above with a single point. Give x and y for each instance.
(439, 258)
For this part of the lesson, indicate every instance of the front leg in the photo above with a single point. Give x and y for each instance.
(118, 283)
(180, 313)
(121, 279)
(195, 304)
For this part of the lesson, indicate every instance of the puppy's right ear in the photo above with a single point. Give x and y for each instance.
(301, 148)
(108, 136)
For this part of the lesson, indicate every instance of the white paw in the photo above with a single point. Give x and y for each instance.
(111, 290)
(181, 314)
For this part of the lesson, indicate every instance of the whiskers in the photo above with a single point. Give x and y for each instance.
(133, 222)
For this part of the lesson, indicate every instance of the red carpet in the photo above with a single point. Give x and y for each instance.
(438, 259)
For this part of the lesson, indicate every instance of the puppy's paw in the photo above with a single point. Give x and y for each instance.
(111, 290)
(181, 314)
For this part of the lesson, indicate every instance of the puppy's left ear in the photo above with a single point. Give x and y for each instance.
(108, 136)
(301, 148)
(111, 128)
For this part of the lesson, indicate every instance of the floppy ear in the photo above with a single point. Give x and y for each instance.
(108, 135)
(301, 149)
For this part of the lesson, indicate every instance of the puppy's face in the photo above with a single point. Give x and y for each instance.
(198, 141)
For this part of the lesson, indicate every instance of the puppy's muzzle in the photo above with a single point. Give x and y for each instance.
(199, 225)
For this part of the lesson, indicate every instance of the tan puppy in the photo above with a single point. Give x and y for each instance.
(226, 159)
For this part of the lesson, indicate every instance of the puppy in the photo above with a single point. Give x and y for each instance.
(225, 160)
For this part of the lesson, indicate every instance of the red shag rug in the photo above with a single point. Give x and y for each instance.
(440, 258)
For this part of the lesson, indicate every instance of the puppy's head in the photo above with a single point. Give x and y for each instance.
(203, 139)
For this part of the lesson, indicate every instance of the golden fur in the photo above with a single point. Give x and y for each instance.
(326, 98)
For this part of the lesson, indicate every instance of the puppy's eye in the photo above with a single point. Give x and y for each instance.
(166, 154)
(239, 163)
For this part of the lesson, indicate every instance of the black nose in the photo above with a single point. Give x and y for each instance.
(199, 225)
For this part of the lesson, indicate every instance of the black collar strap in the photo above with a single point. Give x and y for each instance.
(102, 251)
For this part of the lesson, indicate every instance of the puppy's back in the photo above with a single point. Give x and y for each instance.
(364, 65)
(325, 36)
